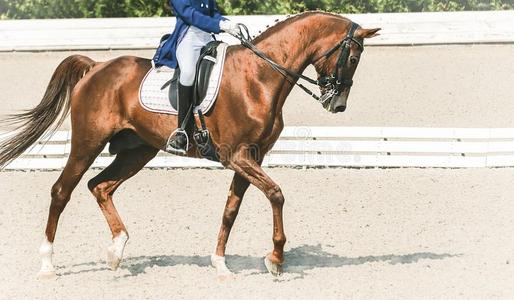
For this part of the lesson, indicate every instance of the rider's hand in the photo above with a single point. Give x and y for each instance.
(229, 27)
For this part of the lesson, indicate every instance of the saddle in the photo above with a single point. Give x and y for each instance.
(154, 91)
(204, 66)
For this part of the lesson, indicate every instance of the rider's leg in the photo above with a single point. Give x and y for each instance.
(188, 52)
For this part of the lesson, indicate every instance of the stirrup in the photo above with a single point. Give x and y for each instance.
(171, 144)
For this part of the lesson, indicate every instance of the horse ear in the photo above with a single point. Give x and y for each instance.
(367, 33)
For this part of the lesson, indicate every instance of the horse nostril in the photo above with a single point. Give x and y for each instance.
(341, 108)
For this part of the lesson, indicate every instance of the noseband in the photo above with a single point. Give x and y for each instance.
(333, 84)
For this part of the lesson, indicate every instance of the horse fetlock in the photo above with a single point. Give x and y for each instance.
(115, 251)
(218, 262)
(276, 256)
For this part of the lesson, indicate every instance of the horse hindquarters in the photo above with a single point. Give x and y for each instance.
(89, 137)
(101, 105)
(33, 124)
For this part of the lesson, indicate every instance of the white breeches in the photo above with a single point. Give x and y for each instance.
(188, 52)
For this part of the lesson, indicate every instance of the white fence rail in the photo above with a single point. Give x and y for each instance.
(332, 147)
(145, 33)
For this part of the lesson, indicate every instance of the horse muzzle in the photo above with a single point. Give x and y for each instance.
(338, 102)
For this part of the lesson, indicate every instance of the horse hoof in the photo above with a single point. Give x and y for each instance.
(46, 275)
(273, 268)
(223, 273)
(113, 261)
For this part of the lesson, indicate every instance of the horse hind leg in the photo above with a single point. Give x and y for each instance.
(81, 157)
(126, 164)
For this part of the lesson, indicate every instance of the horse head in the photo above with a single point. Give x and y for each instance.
(338, 61)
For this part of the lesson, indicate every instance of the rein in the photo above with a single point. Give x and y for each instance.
(334, 81)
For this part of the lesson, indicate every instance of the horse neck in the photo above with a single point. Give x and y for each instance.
(293, 46)
(289, 44)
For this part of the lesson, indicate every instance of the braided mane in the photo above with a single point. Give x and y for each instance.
(280, 24)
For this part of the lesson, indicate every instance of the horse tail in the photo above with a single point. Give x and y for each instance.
(31, 124)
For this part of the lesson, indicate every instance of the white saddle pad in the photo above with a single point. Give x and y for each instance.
(155, 99)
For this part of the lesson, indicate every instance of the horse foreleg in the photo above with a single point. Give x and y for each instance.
(125, 165)
(249, 169)
(237, 190)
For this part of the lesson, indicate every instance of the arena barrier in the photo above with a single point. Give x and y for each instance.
(145, 33)
(330, 147)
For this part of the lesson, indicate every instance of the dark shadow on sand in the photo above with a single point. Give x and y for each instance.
(298, 261)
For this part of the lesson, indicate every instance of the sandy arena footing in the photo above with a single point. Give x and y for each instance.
(373, 233)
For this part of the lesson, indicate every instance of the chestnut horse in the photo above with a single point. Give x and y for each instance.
(103, 100)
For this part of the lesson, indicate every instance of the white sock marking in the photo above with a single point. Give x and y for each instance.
(218, 262)
(118, 244)
(46, 251)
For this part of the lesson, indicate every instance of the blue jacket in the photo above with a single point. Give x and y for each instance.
(203, 14)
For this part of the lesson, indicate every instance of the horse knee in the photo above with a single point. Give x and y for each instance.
(276, 197)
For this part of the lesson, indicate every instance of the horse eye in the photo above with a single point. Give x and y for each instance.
(353, 60)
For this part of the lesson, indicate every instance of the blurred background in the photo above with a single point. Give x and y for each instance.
(43, 9)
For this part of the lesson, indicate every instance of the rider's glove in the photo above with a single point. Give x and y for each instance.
(229, 27)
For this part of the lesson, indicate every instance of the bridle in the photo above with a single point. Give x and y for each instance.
(333, 84)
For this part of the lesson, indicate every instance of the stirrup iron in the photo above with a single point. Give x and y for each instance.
(172, 138)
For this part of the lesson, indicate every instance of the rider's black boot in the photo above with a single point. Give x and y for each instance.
(178, 142)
